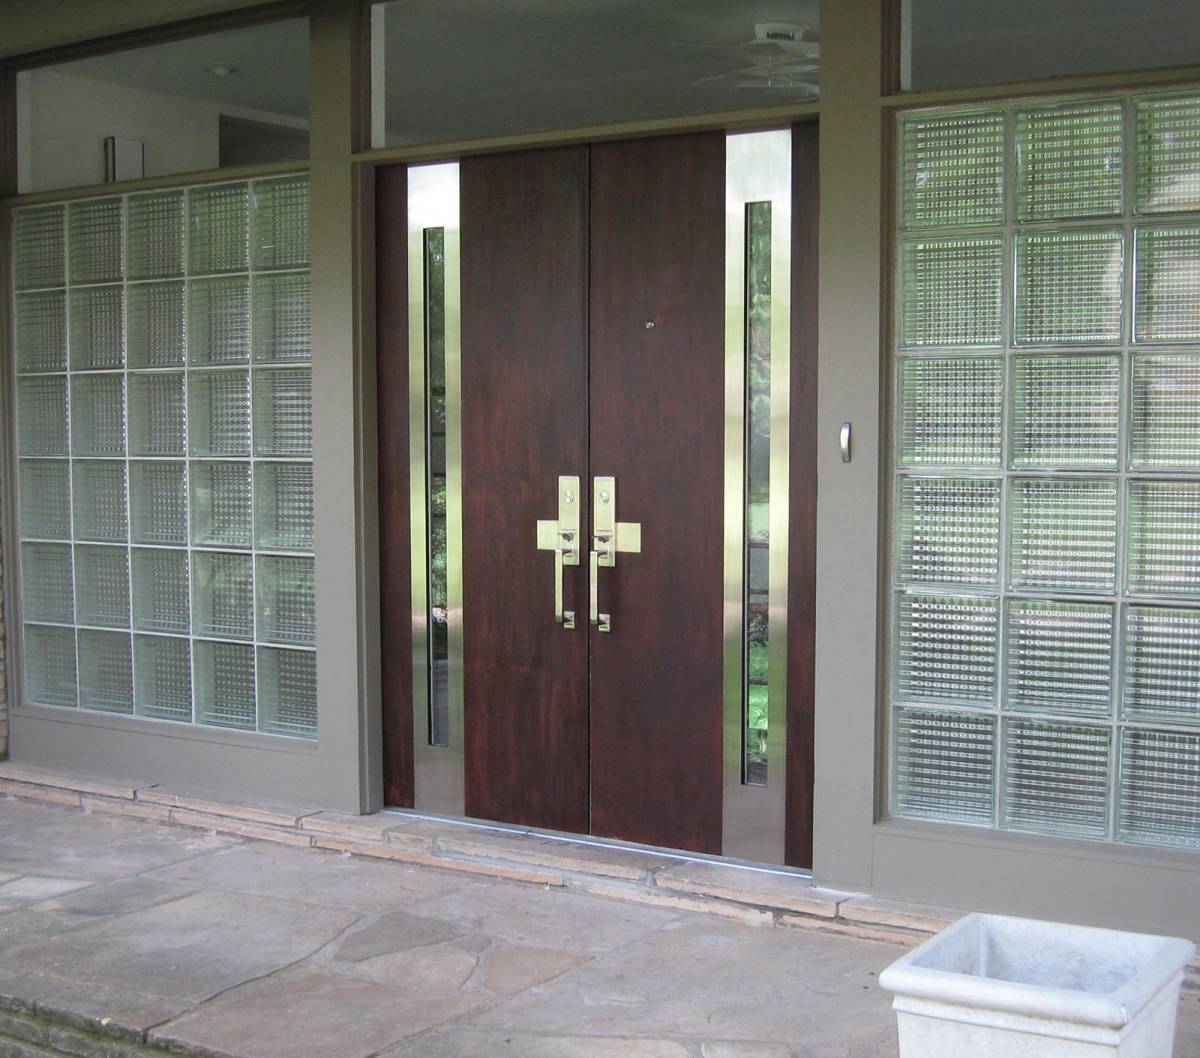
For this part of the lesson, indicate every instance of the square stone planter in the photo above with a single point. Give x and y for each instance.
(991, 986)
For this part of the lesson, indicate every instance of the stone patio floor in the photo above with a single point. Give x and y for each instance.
(215, 945)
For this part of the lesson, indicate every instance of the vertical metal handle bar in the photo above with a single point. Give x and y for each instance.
(566, 618)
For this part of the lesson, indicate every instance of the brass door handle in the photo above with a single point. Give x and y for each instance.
(562, 537)
(566, 618)
(602, 621)
(608, 537)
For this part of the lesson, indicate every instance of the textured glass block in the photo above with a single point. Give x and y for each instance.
(283, 506)
(943, 765)
(1069, 286)
(1168, 153)
(1162, 534)
(224, 684)
(41, 337)
(218, 228)
(1056, 778)
(160, 590)
(283, 412)
(48, 659)
(158, 503)
(282, 317)
(951, 291)
(39, 247)
(221, 505)
(281, 222)
(1063, 534)
(47, 592)
(1160, 655)
(102, 585)
(1058, 657)
(222, 595)
(156, 235)
(100, 501)
(1069, 160)
(950, 411)
(1166, 303)
(94, 237)
(42, 415)
(97, 328)
(155, 328)
(287, 609)
(1164, 420)
(45, 499)
(952, 170)
(1066, 412)
(156, 414)
(287, 692)
(105, 671)
(1159, 792)
(98, 415)
(219, 413)
(948, 530)
(219, 321)
(162, 678)
(946, 648)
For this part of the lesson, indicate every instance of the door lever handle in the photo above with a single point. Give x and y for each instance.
(602, 621)
(562, 537)
(566, 618)
(608, 537)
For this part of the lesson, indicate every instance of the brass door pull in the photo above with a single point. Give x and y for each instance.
(562, 537)
(608, 537)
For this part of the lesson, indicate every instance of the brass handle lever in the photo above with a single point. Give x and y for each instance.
(608, 537)
(562, 537)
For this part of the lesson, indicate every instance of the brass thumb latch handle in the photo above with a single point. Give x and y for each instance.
(608, 537)
(562, 537)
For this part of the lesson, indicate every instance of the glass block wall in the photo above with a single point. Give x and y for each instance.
(164, 444)
(1045, 627)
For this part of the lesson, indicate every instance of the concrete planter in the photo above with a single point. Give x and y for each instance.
(991, 986)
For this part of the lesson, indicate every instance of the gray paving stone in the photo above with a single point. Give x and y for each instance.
(438, 969)
(17, 927)
(396, 931)
(33, 888)
(109, 899)
(511, 969)
(98, 1008)
(475, 1043)
(17, 815)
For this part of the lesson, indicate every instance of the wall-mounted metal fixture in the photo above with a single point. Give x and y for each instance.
(844, 442)
(562, 537)
(608, 537)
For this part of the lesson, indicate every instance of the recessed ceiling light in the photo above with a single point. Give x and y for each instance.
(221, 70)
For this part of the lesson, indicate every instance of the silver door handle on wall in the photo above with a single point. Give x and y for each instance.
(562, 537)
(608, 537)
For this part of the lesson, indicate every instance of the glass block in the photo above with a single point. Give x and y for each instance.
(282, 317)
(45, 499)
(218, 228)
(158, 503)
(1058, 657)
(101, 512)
(1159, 791)
(47, 592)
(948, 530)
(222, 595)
(105, 671)
(41, 334)
(219, 413)
(1160, 656)
(102, 585)
(950, 411)
(1069, 286)
(951, 291)
(156, 414)
(156, 235)
(219, 321)
(946, 648)
(224, 684)
(98, 415)
(286, 600)
(96, 248)
(281, 222)
(287, 692)
(1063, 534)
(39, 247)
(42, 411)
(97, 328)
(1056, 778)
(156, 330)
(1162, 534)
(1168, 153)
(1166, 307)
(1066, 412)
(283, 412)
(943, 765)
(1069, 160)
(48, 659)
(163, 678)
(221, 511)
(283, 506)
(1164, 421)
(952, 170)
(160, 590)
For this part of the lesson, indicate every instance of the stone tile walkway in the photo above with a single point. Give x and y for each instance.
(156, 937)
